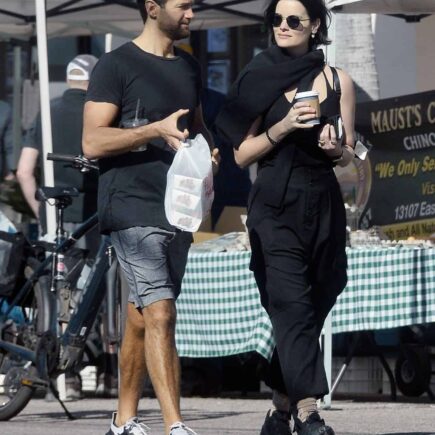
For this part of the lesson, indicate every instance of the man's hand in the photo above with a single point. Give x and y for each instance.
(168, 130)
(215, 160)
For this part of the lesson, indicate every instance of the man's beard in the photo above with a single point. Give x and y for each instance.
(175, 32)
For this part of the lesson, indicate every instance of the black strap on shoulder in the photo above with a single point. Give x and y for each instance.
(327, 81)
(336, 81)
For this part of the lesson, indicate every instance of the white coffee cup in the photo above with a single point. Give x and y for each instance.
(311, 98)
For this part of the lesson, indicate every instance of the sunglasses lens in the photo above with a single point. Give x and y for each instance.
(277, 20)
(293, 22)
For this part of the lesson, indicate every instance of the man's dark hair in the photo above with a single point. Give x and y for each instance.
(143, 9)
(316, 10)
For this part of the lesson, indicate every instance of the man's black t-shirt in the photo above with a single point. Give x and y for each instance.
(67, 125)
(132, 185)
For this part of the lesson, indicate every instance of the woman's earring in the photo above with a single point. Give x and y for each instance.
(313, 35)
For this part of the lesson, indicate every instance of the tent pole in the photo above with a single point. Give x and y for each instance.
(16, 105)
(47, 142)
(108, 42)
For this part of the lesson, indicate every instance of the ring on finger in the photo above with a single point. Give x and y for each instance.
(321, 143)
(333, 142)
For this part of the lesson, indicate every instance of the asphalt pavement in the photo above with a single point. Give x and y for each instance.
(222, 416)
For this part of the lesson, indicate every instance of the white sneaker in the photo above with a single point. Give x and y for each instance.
(180, 428)
(131, 427)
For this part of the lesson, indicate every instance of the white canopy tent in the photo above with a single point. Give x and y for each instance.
(391, 7)
(121, 17)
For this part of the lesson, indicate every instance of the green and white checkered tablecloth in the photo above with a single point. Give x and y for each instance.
(219, 311)
(387, 288)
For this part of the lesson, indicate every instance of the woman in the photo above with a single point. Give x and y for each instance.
(296, 216)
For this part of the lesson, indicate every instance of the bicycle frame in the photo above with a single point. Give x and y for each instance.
(74, 337)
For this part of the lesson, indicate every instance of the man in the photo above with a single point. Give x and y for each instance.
(150, 79)
(6, 142)
(67, 126)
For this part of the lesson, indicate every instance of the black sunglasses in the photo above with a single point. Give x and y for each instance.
(292, 21)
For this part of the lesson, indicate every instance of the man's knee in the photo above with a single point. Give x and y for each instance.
(160, 316)
(135, 321)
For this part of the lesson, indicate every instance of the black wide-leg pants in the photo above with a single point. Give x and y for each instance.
(299, 263)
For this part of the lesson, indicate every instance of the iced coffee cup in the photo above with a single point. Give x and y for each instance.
(312, 99)
(133, 123)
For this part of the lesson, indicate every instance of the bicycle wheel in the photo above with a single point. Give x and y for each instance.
(23, 327)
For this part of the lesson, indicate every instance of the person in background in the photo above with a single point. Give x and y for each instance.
(296, 216)
(6, 142)
(67, 126)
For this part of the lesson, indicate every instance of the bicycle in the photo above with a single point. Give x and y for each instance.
(43, 331)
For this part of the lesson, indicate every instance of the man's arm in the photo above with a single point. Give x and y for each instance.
(100, 139)
(26, 176)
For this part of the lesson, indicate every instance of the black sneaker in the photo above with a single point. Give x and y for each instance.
(313, 425)
(276, 423)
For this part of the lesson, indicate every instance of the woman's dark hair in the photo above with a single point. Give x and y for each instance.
(143, 9)
(316, 10)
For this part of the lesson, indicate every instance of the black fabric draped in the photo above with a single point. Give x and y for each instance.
(260, 83)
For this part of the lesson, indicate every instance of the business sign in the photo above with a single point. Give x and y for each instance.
(395, 186)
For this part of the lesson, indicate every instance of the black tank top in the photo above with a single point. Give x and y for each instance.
(305, 142)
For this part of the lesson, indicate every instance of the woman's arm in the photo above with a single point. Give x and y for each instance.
(256, 145)
(327, 141)
(347, 108)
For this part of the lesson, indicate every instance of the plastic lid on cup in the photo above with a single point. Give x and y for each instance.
(306, 94)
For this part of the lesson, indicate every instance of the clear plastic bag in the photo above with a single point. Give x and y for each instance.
(189, 189)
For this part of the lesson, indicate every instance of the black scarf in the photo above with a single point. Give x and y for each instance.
(260, 84)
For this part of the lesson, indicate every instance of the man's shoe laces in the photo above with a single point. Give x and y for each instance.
(136, 428)
(183, 427)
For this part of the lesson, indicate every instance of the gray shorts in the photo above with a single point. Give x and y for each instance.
(153, 261)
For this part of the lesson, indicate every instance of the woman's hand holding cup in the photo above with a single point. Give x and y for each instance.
(299, 116)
